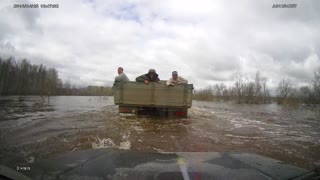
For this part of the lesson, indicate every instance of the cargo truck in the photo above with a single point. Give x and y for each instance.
(153, 98)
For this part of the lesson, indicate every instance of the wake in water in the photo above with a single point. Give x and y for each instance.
(290, 136)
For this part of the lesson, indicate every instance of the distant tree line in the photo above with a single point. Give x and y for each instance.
(287, 93)
(68, 90)
(257, 92)
(22, 78)
(243, 90)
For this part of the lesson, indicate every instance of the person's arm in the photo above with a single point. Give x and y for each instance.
(182, 80)
(141, 78)
(118, 78)
(169, 82)
(125, 77)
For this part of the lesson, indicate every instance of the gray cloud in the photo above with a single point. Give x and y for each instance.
(205, 41)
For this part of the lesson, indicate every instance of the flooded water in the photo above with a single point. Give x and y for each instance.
(32, 128)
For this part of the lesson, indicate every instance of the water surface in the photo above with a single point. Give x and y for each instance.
(33, 128)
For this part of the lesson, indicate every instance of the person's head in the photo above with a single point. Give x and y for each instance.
(120, 70)
(174, 75)
(152, 72)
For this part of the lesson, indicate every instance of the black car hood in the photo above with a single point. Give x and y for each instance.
(124, 164)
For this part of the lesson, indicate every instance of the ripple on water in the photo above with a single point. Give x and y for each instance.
(77, 125)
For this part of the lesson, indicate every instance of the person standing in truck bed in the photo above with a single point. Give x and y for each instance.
(122, 77)
(175, 79)
(151, 76)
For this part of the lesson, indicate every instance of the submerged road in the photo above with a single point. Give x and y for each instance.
(32, 130)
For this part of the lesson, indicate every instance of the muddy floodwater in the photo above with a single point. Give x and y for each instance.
(31, 128)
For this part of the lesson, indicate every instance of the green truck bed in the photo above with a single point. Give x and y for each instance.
(140, 95)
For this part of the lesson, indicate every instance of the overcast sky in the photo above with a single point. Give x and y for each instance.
(206, 41)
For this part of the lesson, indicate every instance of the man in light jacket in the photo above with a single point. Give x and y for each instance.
(175, 79)
(122, 77)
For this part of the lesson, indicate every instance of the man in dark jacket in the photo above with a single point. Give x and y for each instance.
(151, 76)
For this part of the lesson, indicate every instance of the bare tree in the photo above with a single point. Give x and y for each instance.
(258, 84)
(284, 90)
(219, 89)
(249, 92)
(240, 80)
(257, 88)
(265, 91)
(306, 95)
(316, 86)
(204, 94)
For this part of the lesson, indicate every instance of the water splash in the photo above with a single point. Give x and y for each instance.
(103, 143)
(109, 143)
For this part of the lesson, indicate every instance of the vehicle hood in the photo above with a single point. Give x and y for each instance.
(126, 164)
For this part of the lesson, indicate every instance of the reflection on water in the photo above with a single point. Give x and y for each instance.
(32, 129)
(16, 107)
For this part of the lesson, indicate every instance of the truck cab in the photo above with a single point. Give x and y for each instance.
(139, 98)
